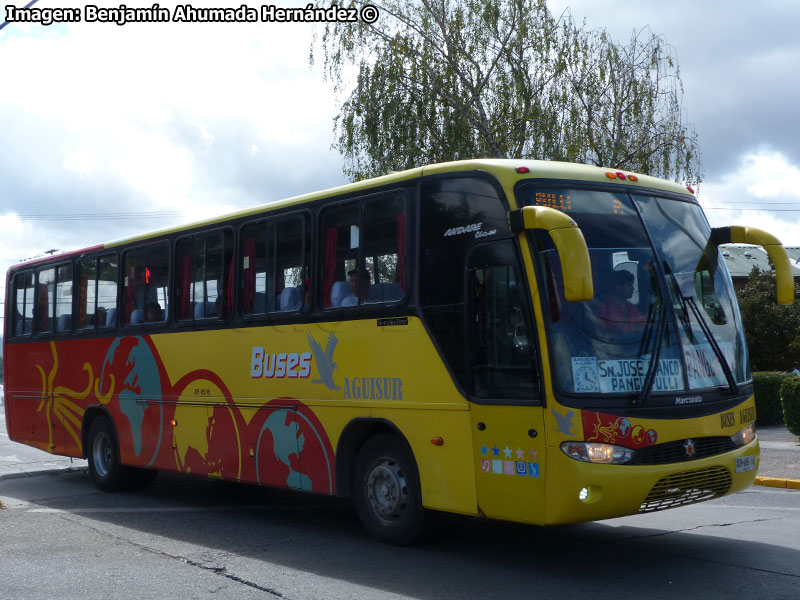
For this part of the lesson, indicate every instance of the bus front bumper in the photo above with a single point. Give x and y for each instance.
(579, 491)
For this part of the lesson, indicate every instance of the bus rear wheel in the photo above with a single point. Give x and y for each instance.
(105, 468)
(387, 493)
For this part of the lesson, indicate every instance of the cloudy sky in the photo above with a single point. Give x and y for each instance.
(107, 131)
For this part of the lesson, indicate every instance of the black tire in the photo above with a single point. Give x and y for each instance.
(105, 468)
(387, 491)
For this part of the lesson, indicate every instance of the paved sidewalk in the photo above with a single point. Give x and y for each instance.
(780, 457)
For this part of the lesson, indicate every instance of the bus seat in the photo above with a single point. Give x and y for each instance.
(385, 292)
(137, 316)
(204, 310)
(64, 323)
(111, 318)
(259, 302)
(339, 291)
(290, 299)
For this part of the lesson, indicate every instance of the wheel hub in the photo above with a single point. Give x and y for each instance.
(102, 452)
(387, 491)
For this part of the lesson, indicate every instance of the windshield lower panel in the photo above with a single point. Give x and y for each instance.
(662, 321)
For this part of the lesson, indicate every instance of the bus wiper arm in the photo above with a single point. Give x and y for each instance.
(726, 368)
(650, 377)
(712, 341)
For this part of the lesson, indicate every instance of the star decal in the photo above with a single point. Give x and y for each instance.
(484, 450)
(507, 450)
(533, 453)
(520, 453)
(496, 450)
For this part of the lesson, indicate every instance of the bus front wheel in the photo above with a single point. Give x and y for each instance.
(387, 494)
(105, 468)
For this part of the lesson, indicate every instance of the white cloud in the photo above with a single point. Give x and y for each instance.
(198, 118)
(763, 192)
(773, 177)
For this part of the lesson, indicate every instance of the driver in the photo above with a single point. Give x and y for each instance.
(615, 311)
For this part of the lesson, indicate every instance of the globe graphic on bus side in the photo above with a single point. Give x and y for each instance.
(137, 383)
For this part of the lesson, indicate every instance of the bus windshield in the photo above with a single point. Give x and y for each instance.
(664, 324)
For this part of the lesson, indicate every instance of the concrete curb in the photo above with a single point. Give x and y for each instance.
(778, 482)
(24, 474)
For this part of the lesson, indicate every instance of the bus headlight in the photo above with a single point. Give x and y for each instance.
(745, 436)
(595, 452)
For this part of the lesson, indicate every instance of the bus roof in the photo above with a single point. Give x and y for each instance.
(505, 170)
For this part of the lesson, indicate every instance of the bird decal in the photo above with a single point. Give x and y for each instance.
(564, 422)
(324, 360)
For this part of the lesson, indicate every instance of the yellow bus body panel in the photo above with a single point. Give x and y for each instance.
(381, 372)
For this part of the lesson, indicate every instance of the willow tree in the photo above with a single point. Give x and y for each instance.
(433, 81)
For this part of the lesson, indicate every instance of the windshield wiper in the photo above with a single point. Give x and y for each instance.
(650, 376)
(712, 341)
(726, 368)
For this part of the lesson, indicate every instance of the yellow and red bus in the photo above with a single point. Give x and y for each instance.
(531, 341)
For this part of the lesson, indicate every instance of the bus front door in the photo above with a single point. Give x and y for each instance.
(507, 420)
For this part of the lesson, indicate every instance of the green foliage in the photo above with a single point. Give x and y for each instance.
(772, 331)
(790, 398)
(767, 388)
(431, 82)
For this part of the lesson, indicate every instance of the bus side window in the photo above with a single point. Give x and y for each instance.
(97, 299)
(384, 249)
(87, 305)
(203, 284)
(45, 287)
(23, 303)
(275, 255)
(145, 292)
(502, 362)
(341, 238)
(107, 288)
(63, 299)
(363, 252)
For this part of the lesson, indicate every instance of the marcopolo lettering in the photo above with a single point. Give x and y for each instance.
(373, 388)
(283, 364)
(688, 399)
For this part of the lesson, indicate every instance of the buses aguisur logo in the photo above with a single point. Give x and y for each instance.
(298, 365)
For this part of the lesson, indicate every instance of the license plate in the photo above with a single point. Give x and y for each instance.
(745, 463)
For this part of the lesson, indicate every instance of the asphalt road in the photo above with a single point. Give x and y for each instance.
(197, 538)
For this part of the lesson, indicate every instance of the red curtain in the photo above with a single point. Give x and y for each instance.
(82, 319)
(185, 283)
(331, 239)
(249, 276)
(401, 250)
